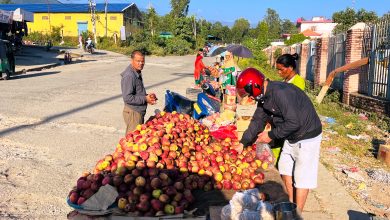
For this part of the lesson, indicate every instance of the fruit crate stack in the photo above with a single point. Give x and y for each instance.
(244, 112)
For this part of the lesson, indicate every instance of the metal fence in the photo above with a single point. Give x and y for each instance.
(311, 60)
(336, 58)
(377, 48)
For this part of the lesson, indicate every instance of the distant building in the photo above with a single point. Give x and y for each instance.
(35, 2)
(76, 18)
(316, 27)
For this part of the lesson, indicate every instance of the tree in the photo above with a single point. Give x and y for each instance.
(288, 27)
(263, 34)
(295, 38)
(240, 30)
(183, 29)
(179, 8)
(274, 23)
(226, 34)
(216, 30)
(6, 2)
(347, 18)
(166, 23)
(366, 16)
(151, 21)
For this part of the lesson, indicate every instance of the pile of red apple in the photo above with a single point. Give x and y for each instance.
(181, 145)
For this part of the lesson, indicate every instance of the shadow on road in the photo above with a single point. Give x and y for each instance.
(97, 53)
(35, 55)
(81, 108)
(33, 75)
(356, 215)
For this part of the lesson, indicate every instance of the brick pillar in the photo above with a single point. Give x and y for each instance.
(321, 60)
(354, 47)
(302, 62)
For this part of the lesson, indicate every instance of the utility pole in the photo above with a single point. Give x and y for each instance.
(105, 11)
(48, 15)
(92, 6)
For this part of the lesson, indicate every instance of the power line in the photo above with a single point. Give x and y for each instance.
(92, 6)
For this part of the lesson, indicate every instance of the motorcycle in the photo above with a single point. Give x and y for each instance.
(91, 48)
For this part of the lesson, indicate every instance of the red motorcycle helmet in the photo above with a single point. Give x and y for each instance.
(251, 82)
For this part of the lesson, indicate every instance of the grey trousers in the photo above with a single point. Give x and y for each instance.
(132, 118)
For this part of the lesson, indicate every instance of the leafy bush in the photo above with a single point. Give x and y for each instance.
(295, 38)
(177, 46)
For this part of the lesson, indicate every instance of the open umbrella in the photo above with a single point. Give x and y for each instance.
(217, 51)
(239, 50)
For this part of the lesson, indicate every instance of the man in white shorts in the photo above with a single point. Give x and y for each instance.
(294, 119)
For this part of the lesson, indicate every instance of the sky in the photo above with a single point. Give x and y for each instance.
(228, 11)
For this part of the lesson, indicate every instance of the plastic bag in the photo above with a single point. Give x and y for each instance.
(265, 209)
(244, 200)
(223, 132)
(226, 213)
(249, 215)
(265, 155)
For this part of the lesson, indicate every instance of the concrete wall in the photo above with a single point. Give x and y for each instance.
(43, 22)
(355, 80)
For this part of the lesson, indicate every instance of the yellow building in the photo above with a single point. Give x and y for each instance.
(74, 19)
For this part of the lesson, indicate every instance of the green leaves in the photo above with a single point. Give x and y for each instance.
(347, 18)
(295, 38)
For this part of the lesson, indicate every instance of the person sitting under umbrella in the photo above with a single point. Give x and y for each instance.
(229, 71)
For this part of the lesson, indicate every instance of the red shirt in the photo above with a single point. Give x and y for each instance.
(199, 66)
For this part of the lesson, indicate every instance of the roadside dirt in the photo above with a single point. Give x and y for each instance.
(363, 176)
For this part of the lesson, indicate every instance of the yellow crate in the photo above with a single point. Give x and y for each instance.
(242, 125)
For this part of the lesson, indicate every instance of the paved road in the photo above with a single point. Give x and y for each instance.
(58, 122)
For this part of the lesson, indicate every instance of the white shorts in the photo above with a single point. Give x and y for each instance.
(300, 160)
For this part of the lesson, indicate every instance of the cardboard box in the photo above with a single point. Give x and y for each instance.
(239, 134)
(384, 154)
(242, 125)
(229, 99)
(246, 110)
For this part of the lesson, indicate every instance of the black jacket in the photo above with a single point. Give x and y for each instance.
(290, 111)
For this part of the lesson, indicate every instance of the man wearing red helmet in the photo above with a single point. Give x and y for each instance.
(294, 119)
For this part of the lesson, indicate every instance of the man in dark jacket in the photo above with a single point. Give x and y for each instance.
(294, 119)
(134, 93)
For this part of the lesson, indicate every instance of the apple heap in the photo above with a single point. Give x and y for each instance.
(166, 141)
(173, 154)
(87, 185)
(172, 140)
(229, 169)
(143, 191)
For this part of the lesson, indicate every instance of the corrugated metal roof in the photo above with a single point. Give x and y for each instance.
(35, 2)
(63, 8)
